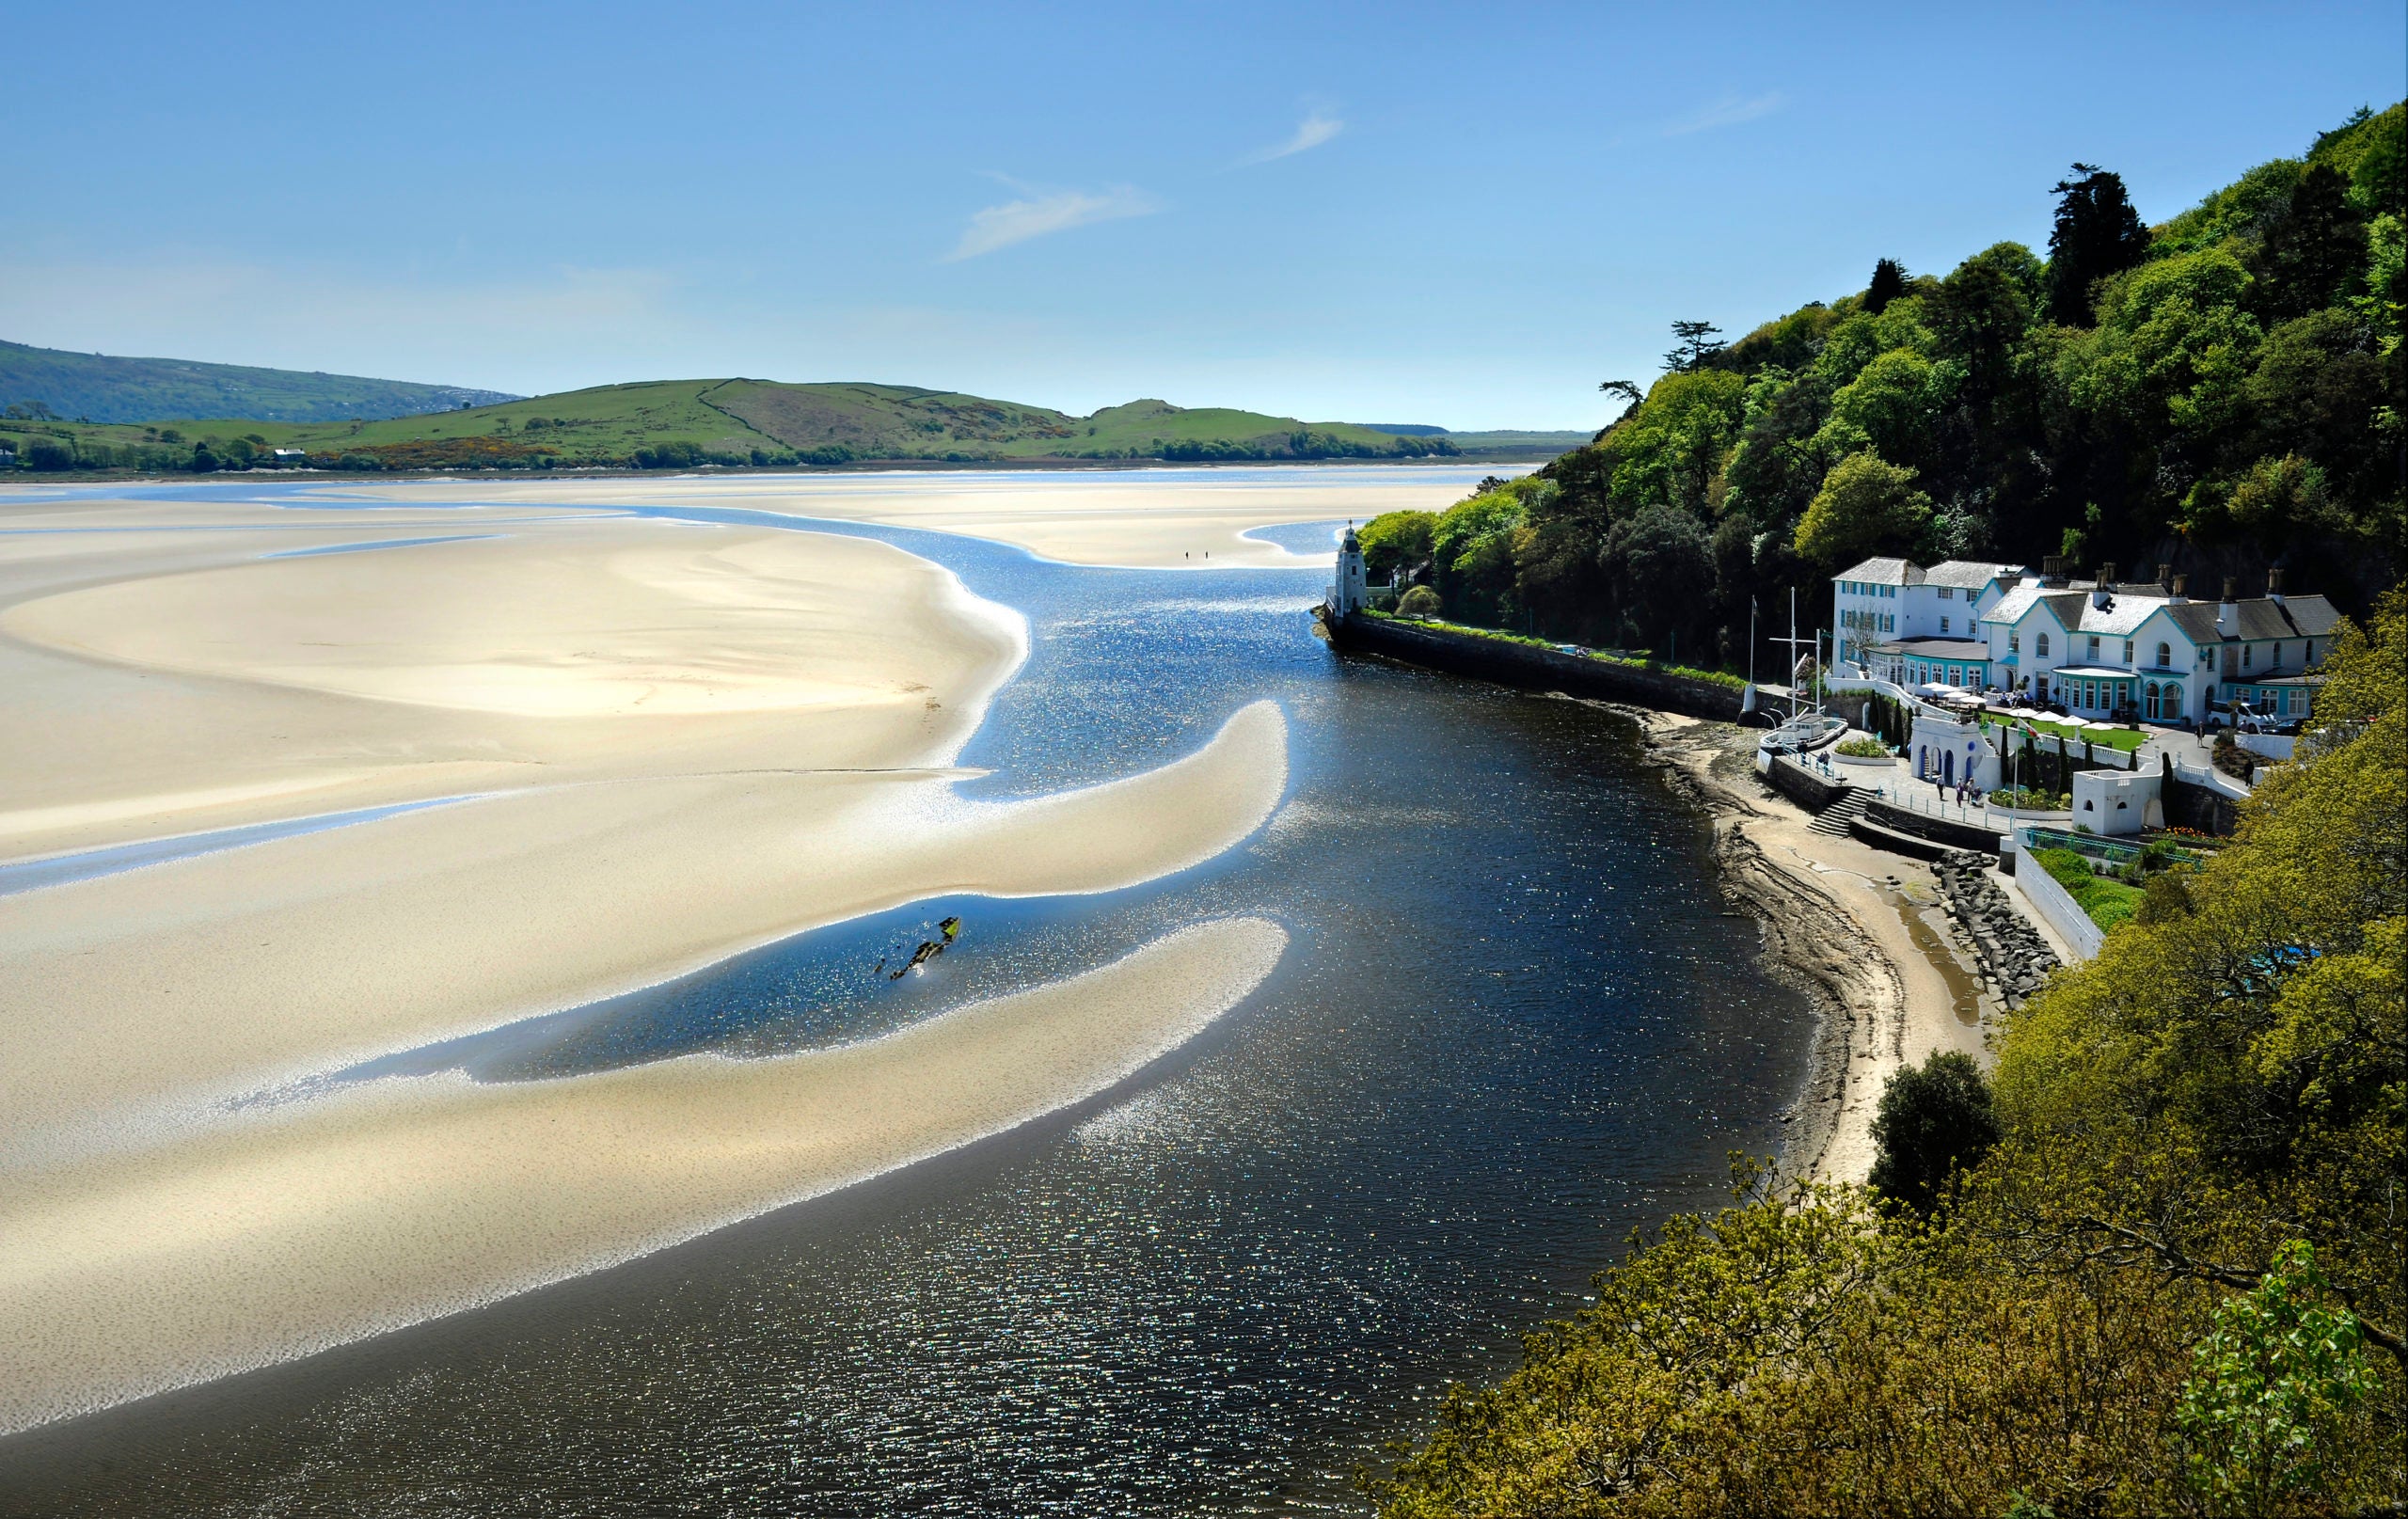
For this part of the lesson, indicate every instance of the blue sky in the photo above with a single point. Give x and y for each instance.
(1463, 215)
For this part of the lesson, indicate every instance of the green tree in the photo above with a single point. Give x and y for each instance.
(1394, 541)
(2313, 251)
(1934, 1120)
(2274, 1381)
(1663, 569)
(2097, 234)
(1867, 505)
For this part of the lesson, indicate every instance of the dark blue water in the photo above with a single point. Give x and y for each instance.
(1513, 1023)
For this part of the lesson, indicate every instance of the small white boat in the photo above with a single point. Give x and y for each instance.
(1802, 734)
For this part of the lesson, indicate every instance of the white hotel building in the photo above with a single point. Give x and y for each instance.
(2099, 648)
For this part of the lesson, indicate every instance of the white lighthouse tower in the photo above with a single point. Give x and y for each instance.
(1346, 594)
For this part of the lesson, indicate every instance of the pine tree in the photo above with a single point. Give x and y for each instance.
(2098, 234)
(1889, 283)
(1697, 343)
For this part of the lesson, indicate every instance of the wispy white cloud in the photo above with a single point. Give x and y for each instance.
(1311, 133)
(1727, 111)
(1038, 214)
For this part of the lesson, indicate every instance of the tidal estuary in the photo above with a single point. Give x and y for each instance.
(1512, 1022)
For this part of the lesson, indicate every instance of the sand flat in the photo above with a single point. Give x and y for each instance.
(1099, 518)
(165, 682)
(263, 1241)
(169, 988)
(675, 740)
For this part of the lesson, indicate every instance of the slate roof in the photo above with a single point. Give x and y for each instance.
(1971, 573)
(1884, 572)
(2261, 617)
(2016, 601)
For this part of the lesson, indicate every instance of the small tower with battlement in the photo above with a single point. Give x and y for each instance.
(1347, 593)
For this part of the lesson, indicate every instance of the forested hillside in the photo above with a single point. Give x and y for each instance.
(97, 388)
(2221, 391)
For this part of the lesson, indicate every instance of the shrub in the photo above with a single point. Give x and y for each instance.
(1866, 749)
(1933, 1121)
(2107, 903)
(1418, 602)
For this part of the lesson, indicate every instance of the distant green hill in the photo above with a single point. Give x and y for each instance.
(104, 390)
(682, 424)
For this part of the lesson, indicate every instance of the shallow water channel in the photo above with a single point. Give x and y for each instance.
(1512, 1024)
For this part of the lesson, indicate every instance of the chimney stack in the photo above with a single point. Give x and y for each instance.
(2232, 588)
(2274, 583)
(2229, 614)
(2107, 573)
(2181, 588)
(2052, 567)
(2165, 573)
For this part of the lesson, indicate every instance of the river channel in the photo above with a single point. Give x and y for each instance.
(1513, 1022)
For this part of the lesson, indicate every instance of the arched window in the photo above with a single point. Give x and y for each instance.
(2042, 647)
(2165, 657)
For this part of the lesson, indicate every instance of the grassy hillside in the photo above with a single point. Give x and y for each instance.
(95, 387)
(682, 424)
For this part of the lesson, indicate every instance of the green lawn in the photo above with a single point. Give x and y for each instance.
(2126, 740)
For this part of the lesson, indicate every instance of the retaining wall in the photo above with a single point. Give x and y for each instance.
(1802, 786)
(2057, 905)
(1533, 668)
(1938, 830)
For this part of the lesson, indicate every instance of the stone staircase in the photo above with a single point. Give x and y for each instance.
(1833, 821)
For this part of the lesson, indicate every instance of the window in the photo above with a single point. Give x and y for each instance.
(2246, 651)
(2094, 646)
(2127, 651)
(2015, 644)
(2276, 662)
(2165, 657)
(2043, 650)
(2307, 652)
(1943, 624)
(1947, 595)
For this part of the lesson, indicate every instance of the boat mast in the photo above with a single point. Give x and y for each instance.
(1792, 642)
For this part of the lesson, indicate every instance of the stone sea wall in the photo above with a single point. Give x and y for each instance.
(1533, 668)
